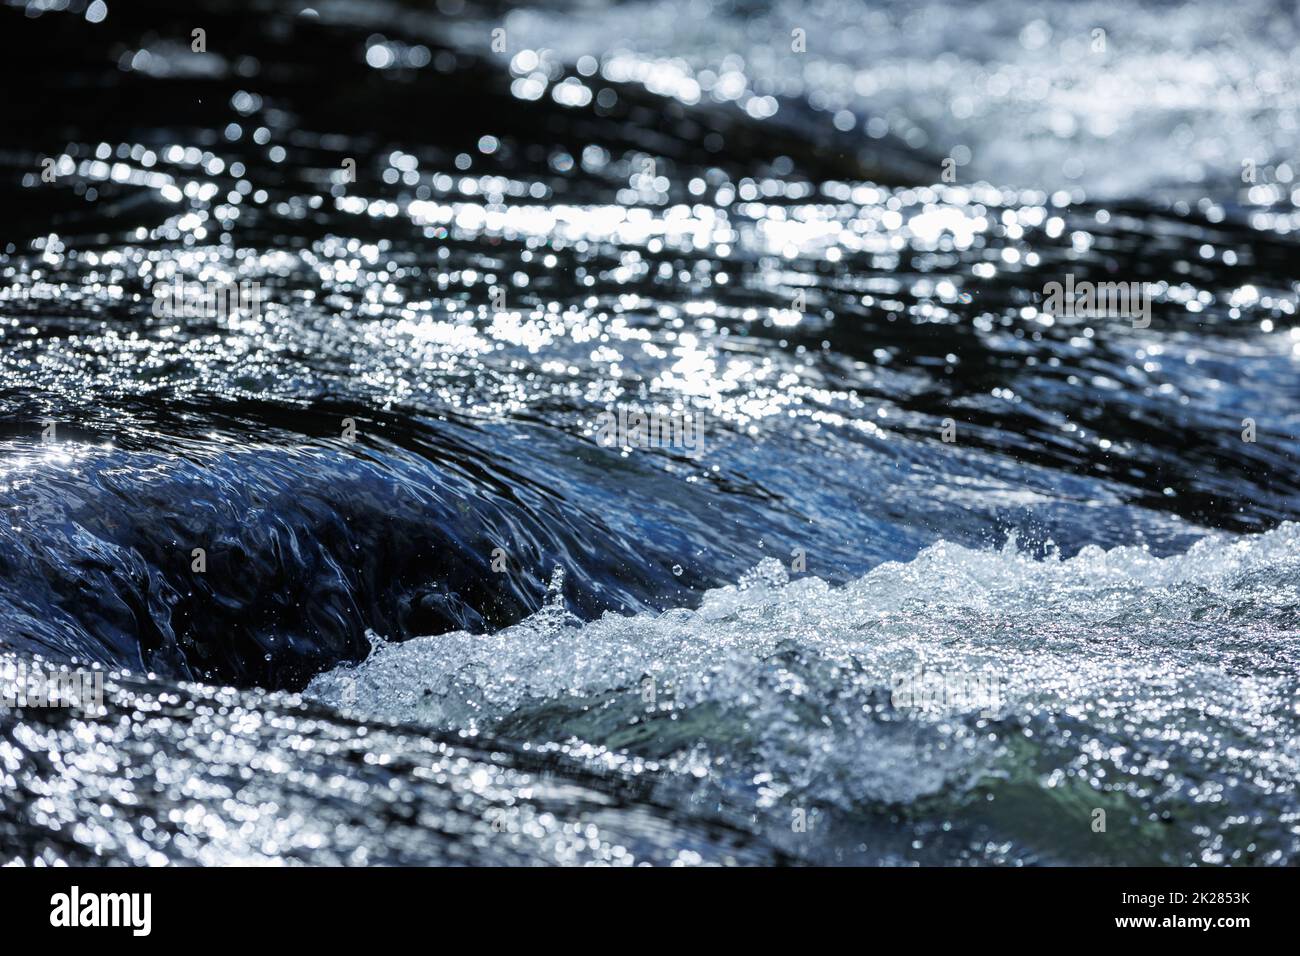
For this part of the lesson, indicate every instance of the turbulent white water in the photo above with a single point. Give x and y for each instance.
(468, 254)
(1157, 689)
(1054, 93)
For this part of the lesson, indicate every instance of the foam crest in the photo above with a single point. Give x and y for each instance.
(950, 677)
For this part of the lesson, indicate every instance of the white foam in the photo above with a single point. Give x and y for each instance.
(784, 687)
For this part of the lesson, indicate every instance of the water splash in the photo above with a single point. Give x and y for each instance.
(1160, 689)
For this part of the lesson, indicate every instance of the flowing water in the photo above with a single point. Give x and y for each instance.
(944, 577)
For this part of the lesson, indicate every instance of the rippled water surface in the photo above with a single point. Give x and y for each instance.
(438, 619)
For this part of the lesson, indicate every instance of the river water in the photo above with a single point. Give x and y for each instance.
(944, 577)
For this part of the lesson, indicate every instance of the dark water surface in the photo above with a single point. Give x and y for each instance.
(440, 621)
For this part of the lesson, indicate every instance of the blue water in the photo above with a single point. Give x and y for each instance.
(437, 619)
